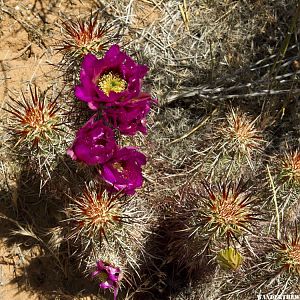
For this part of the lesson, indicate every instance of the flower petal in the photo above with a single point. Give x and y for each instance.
(94, 144)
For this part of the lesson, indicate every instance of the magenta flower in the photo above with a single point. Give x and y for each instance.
(123, 171)
(115, 78)
(130, 118)
(94, 144)
(109, 276)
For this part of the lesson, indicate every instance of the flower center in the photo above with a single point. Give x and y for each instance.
(118, 166)
(101, 142)
(112, 83)
(103, 276)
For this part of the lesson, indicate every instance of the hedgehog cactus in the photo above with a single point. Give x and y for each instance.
(108, 226)
(35, 121)
(290, 168)
(96, 214)
(37, 129)
(285, 169)
(95, 208)
(85, 36)
(287, 252)
(240, 137)
(229, 210)
(215, 216)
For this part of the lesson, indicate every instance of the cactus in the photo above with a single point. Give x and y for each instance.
(109, 227)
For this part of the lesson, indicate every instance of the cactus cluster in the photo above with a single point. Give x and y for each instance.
(145, 204)
(106, 228)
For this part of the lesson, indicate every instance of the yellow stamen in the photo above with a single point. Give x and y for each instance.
(118, 166)
(111, 82)
(103, 276)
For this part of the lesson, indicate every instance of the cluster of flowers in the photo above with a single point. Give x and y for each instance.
(112, 87)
